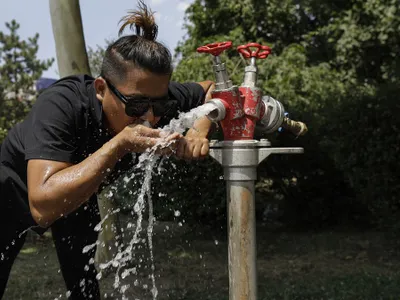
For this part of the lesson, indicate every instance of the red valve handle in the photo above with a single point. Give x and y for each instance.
(215, 48)
(247, 53)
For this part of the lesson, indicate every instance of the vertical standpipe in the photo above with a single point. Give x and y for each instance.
(242, 240)
(240, 155)
(240, 160)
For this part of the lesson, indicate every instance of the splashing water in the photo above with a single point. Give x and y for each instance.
(186, 120)
(147, 162)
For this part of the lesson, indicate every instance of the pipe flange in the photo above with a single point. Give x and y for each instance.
(264, 143)
(240, 144)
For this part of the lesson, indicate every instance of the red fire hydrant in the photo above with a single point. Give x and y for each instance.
(240, 109)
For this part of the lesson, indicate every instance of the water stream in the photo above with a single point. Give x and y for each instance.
(147, 162)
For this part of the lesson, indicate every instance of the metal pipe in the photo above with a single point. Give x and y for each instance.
(222, 80)
(219, 111)
(237, 108)
(242, 240)
(240, 160)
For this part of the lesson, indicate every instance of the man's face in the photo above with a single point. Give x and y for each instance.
(132, 97)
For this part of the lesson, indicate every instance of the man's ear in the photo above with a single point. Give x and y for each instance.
(100, 87)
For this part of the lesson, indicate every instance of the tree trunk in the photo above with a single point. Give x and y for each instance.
(72, 59)
(68, 35)
(110, 236)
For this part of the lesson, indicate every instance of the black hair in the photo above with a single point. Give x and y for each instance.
(139, 50)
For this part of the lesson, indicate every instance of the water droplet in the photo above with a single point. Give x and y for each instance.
(88, 248)
(177, 213)
(82, 283)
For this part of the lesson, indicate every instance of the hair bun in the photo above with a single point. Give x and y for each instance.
(143, 20)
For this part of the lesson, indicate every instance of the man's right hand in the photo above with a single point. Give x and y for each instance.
(138, 138)
(58, 188)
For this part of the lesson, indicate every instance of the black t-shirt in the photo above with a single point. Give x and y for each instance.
(66, 124)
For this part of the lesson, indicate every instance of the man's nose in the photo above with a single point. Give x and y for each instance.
(149, 116)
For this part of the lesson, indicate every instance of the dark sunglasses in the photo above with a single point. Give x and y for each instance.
(136, 106)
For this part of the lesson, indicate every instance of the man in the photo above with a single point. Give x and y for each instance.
(79, 131)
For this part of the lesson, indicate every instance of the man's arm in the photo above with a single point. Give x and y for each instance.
(58, 188)
(202, 126)
(195, 144)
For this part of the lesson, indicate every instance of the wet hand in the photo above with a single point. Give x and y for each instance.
(138, 138)
(192, 148)
(168, 144)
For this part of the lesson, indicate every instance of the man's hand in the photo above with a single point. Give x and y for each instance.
(195, 144)
(138, 138)
(192, 148)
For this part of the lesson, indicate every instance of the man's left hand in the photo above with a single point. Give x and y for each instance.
(192, 148)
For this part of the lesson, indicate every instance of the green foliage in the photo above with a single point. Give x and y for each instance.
(334, 66)
(363, 40)
(19, 68)
(199, 196)
(177, 191)
(367, 149)
(95, 59)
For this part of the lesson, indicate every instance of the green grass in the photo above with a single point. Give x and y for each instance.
(291, 266)
(359, 285)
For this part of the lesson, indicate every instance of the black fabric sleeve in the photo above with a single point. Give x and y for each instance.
(189, 95)
(53, 126)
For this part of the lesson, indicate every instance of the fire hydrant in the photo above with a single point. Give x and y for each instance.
(240, 110)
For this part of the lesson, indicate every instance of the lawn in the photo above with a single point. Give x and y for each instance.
(339, 264)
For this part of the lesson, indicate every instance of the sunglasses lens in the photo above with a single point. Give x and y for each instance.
(136, 109)
(160, 108)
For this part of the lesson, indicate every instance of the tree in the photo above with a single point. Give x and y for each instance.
(96, 57)
(19, 69)
(332, 60)
(73, 59)
(334, 65)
